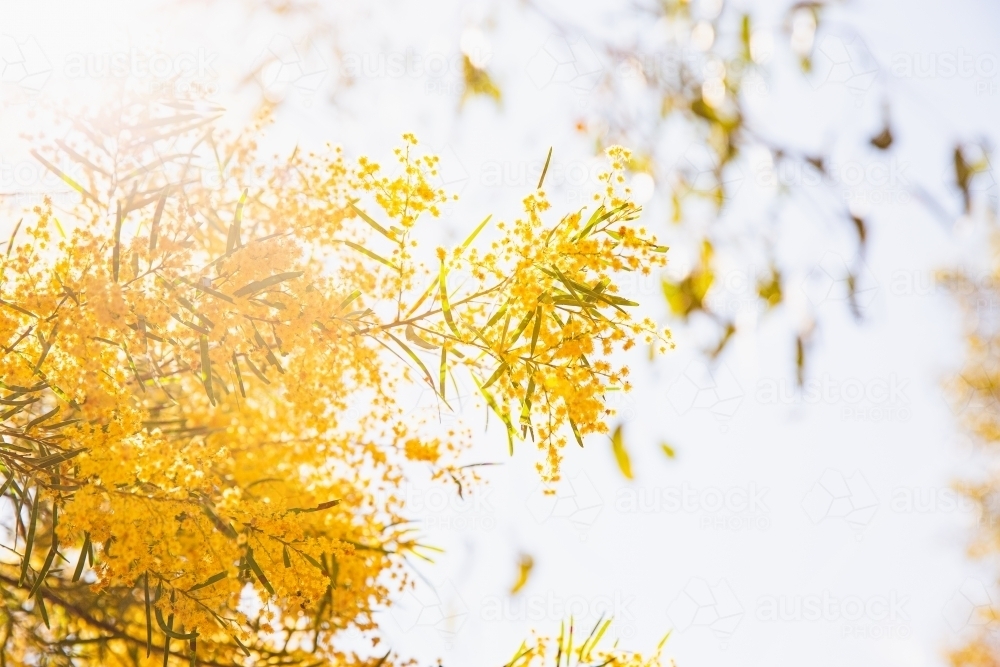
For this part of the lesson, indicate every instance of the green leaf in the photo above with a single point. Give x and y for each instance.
(13, 235)
(155, 228)
(40, 601)
(415, 358)
(69, 181)
(346, 302)
(78, 572)
(206, 368)
(38, 420)
(474, 234)
(598, 216)
(116, 254)
(29, 540)
(413, 337)
(258, 572)
(545, 169)
(496, 374)
(526, 406)
(239, 376)
(285, 558)
(576, 432)
(374, 225)
(270, 354)
(259, 285)
(621, 456)
(256, 371)
(521, 327)
(596, 640)
(149, 615)
(319, 508)
(233, 241)
(534, 333)
(215, 578)
(443, 373)
(243, 648)
(369, 253)
(208, 290)
(220, 525)
(497, 315)
(168, 630)
(201, 330)
(18, 308)
(490, 401)
(40, 579)
(445, 304)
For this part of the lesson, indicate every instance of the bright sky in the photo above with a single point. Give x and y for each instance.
(815, 528)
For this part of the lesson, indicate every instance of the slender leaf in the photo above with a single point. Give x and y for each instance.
(40, 601)
(258, 572)
(149, 615)
(474, 234)
(347, 301)
(13, 235)
(256, 371)
(157, 214)
(443, 373)
(233, 241)
(621, 455)
(116, 256)
(78, 572)
(545, 169)
(412, 355)
(239, 376)
(69, 181)
(369, 253)
(29, 540)
(40, 579)
(168, 630)
(374, 225)
(206, 368)
(215, 578)
(259, 285)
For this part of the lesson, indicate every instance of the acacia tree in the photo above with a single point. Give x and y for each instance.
(680, 81)
(975, 390)
(182, 474)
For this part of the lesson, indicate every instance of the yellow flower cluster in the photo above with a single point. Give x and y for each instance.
(202, 439)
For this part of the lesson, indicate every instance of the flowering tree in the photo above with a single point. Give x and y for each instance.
(975, 388)
(182, 473)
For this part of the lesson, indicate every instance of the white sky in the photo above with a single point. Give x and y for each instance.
(830, 476)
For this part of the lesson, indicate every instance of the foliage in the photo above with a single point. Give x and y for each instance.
(183, 467)
(975, 391)
(570, 651)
